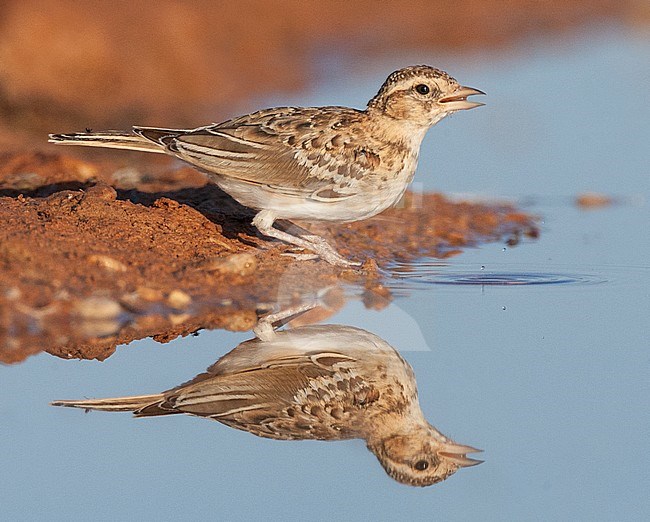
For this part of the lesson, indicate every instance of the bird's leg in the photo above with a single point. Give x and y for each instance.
(297, 230)
(268, 324)
(264, 220)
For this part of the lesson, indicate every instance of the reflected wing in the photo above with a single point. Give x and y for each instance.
(253, 386)
(250, 395)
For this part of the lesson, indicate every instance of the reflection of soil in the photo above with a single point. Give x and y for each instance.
(85, 266)
(66, 65)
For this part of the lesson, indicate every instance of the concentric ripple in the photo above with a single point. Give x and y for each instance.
(425, 274)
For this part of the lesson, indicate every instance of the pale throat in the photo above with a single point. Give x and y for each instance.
(403, 132)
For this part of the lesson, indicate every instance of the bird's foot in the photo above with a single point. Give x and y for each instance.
(316, 244)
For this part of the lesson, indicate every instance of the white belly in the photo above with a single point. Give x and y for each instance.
(362, 205)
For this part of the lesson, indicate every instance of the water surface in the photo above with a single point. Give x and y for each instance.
(539, 354)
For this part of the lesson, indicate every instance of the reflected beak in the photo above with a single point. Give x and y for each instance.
(457, 453)
(458, 100)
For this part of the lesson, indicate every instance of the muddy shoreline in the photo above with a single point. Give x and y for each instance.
(94, 256)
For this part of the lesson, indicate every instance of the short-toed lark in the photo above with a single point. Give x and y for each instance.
(317, 164)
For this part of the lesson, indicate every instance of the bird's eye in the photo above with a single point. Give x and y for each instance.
(422, 88)
(421, 465)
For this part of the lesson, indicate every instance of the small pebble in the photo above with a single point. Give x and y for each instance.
(593, 200)
(107, 262)
(98, 308)
(236, 264)
(177, 319)
(101, 191)
(12, 293)
(100, 327)
(149, 294)
(178, 299)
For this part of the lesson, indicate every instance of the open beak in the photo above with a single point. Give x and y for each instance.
(458, 100)
(457, 453)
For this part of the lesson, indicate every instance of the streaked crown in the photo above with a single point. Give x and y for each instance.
(404, 78)
(421, 96)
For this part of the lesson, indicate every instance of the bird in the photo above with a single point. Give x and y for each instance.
(330, 164)
(319, 382)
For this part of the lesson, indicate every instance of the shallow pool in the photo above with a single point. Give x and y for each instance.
(539, 354)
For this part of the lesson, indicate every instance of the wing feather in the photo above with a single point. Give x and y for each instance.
(302, 152)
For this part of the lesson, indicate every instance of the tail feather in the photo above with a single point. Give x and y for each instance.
(110, 139)
(113, 404)
(158, 135)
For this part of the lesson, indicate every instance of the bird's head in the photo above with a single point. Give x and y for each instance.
(422, 96)
(422, 457)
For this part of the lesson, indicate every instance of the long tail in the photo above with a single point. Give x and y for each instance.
(109, 139)
(113, 404)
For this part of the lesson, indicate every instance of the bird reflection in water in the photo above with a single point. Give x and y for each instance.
(319, 382)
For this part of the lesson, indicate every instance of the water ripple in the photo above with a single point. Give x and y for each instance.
(404, 276)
